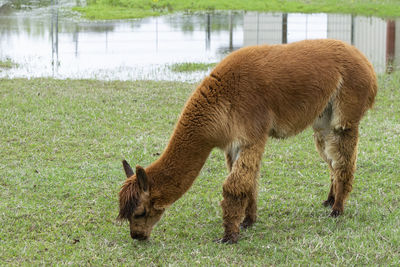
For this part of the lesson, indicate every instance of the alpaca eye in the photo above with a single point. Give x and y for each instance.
(140, 215)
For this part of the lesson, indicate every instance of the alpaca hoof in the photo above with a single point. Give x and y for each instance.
(329, 202)
(247, 223)
(231, 239)
(336, 213)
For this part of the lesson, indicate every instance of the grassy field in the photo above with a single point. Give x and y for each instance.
(122, 9)
(191, 66)
(62, 142)
(7, 64)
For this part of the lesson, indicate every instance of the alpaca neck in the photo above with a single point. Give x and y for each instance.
(179, 165)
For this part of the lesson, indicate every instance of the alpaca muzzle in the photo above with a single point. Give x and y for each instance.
(139, 236)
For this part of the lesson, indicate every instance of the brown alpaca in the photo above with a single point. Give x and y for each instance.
(255, 93)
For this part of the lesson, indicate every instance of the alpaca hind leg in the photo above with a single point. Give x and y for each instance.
(251, 210)
(229, 161)
(331, 195)
(231, 155)
(320, 144)
(341, 149)
(238, 190)
(322, 128)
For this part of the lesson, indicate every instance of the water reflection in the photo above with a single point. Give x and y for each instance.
(375, 37)
(46, 43)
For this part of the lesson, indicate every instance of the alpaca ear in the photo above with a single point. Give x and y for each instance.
(141, 177)
(127, 168)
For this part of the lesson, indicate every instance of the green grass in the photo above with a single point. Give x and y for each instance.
(28, 4)
(122, 9)
(7, 64)
(60, 172)
(191, 66)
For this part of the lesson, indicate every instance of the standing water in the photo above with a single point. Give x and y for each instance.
(49, 42)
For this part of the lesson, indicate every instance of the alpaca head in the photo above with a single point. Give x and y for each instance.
(135, 203)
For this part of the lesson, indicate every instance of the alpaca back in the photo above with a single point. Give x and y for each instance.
(280, 90)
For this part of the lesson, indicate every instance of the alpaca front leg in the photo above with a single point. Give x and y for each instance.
(239, 192)
(251, 211)
(233, 209)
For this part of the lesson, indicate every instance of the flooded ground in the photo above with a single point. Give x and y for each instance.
(46, 41)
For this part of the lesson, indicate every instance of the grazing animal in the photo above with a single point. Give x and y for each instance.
(255, 93)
